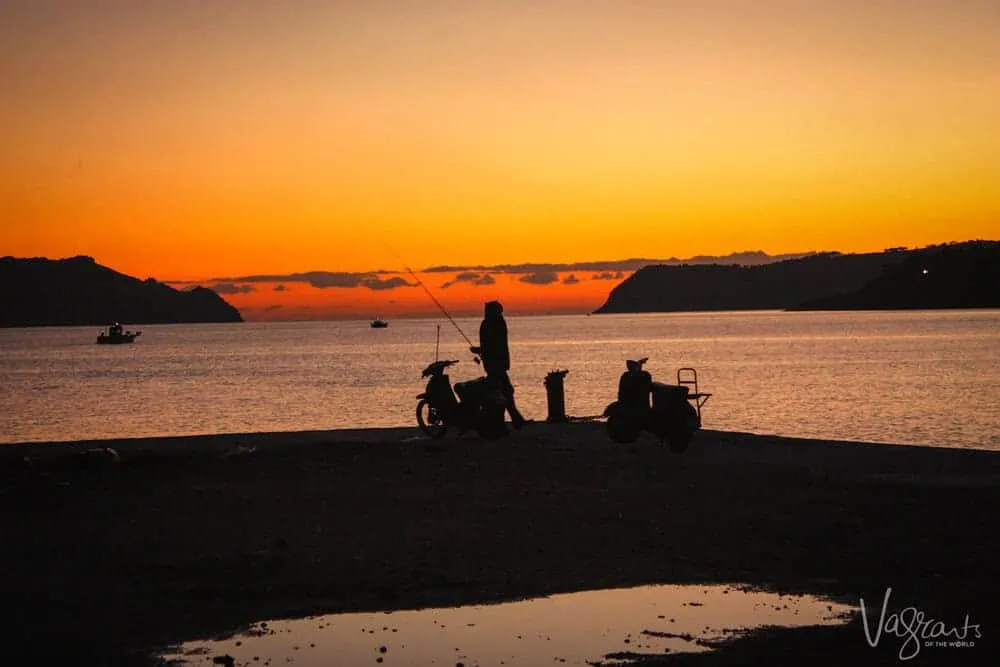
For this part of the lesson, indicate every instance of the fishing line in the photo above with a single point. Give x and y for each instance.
(431, 295)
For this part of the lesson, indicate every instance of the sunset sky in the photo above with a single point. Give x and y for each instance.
(192, 141)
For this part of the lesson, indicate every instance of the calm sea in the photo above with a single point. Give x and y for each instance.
(923, 378)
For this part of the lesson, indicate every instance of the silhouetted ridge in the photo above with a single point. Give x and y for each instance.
(956, 275)
(79, 291)
(962, 275)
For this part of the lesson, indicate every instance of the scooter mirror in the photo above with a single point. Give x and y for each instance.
(635, 364)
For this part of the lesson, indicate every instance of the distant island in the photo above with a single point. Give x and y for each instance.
(79, 291)
(955, 275)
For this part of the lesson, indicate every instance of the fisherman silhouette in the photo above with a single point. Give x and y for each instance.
(494, 350)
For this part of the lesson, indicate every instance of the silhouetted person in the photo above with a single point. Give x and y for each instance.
(495, 354)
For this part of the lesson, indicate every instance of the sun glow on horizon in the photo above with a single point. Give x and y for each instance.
(186, 141)
(460, 293)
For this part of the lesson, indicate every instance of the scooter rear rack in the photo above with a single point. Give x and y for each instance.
(689, 377)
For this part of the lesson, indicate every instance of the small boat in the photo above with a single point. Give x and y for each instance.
(379, 323)
(115, 336)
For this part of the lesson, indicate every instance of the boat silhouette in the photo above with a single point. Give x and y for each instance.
(116, 336)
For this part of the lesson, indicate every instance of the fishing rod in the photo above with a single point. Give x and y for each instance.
(433, 298)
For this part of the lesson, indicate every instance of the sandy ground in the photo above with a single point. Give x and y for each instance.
(104, 559)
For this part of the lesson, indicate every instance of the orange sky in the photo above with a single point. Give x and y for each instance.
(192, 140)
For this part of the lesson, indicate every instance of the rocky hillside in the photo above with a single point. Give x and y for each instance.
(79, 291)
(959, 275)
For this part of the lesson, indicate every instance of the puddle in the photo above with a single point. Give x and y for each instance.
(607, 627)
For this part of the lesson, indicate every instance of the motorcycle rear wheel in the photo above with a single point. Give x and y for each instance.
(679, 437)
(429, 420)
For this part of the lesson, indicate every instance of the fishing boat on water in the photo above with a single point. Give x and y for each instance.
(115, 335)
(379, 323)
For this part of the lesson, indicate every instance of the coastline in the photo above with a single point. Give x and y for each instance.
(180, 538)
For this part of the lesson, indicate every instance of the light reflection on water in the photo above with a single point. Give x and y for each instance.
(573, 629)
(916, 377)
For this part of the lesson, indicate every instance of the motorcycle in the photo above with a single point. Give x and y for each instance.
(671, 412)
(472, 405)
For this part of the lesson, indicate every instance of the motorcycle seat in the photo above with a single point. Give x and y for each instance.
(665, 393)
(469, 387)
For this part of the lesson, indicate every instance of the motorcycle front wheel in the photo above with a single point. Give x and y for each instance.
(430, 420)
(621, 427)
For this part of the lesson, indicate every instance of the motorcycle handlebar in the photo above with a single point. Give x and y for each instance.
(438, 367)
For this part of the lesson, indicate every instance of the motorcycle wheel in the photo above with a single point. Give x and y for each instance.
(621, 426)
(680, 436)
(621, 430)
(429, 420)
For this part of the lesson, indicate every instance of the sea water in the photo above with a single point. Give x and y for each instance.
(909, 377)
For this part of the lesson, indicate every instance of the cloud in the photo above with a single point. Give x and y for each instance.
(324, 280)
(230, 288)
(280, 288)
(273, 307)
(529, 273)
(472, 277)
(377, 284)
(540, 278)
(570, 280)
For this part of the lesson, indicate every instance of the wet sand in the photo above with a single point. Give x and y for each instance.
(104, 558)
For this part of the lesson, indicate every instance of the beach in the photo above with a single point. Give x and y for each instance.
(109, 555)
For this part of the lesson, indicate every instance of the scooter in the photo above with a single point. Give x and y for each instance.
(671, 412)
(472, 405)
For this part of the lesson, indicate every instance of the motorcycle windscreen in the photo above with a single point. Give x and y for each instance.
(634, 388)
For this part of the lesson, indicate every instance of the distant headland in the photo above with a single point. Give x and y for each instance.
(954, 275)
(79, 291)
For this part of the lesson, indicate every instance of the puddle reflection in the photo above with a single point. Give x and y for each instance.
(595, 627)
